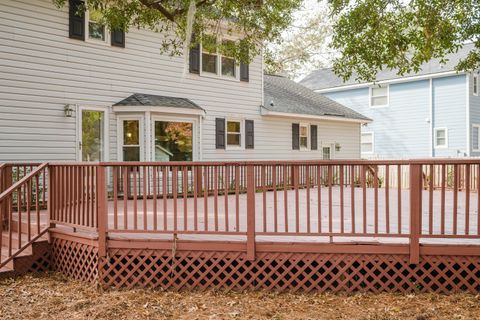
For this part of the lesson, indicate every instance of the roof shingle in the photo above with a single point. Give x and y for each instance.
(286, 96)
(140, 99)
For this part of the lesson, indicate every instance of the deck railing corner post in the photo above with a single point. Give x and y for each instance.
(6, 181)
(251, 212)
(416, 186)
(50, 197)
(102, 210)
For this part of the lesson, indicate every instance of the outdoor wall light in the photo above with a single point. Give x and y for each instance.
(69, 110)
(338, 147)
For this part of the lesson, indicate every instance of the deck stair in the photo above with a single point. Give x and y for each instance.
(24, 245)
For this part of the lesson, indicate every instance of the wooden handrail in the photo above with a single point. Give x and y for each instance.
(22, 181)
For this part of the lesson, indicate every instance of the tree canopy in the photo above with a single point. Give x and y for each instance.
(372, 35)
(256, 21)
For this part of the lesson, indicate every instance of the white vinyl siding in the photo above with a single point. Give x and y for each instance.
(42, 70)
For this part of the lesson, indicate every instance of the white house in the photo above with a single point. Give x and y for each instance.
(72, 90)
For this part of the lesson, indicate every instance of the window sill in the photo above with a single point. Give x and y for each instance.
(379, 107)
(217, 76)
(105, 42)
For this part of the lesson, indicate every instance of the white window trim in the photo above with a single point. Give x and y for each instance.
(141, 129)
(435, 130)
(373, 142)
(219, 75)
(106, 41)
(106, 136)
(307, 148)
(475, 85)
(476, 125)
(242, 134)
(370, 97)
(195, 140)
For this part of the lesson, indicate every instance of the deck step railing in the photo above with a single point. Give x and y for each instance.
(21, 204)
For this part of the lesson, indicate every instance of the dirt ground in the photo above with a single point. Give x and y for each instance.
(51, 296)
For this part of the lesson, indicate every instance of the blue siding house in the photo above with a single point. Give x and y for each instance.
(433, 113)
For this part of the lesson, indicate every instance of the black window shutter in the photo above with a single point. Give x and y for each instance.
(244, 73)
(220, 133)
(314, 137)
(194, 58)
(76, 20)
(118, 38)
(249, 134)
(295, 136)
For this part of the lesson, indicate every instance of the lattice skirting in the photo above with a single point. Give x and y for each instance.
(38, 261)
(75, 259)
(288, 271)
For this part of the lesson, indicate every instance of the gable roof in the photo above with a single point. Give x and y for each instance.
(284, 96)
(141, 99)
(326, 78)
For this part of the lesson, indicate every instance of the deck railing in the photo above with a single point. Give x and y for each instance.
(21, 201)
(334, 200)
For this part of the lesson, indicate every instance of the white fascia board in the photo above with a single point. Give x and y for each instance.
(159, 109)
(390, 81)
(266, 112)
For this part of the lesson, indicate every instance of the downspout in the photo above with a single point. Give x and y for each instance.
(430, 106)
(467, 127)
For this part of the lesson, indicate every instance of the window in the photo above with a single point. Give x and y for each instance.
(379, 96)
(476, 137)
(96, 30)
(228, 64)
(209, 55)
(234, 134)
(440, 138)
(366, 142)
(131, 140)
(215, 63)
(475, 84)
(303, 136)
(326, 153)
(173, 141)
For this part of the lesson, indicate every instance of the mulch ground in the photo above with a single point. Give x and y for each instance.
(52, 296)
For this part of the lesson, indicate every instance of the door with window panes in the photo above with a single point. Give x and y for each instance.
(92, 135)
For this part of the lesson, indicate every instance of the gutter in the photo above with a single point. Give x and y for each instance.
(265, 112)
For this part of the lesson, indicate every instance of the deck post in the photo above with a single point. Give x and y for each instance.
(5, 183)
(415, 211)
(250, 212)
(102, 211)
(50, 197)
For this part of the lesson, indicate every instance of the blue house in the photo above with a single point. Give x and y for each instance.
(433, 113)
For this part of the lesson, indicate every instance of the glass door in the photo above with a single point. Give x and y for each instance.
(92, 136)
(173, 141)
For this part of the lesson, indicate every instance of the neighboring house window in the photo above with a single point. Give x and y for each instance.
(366, 143)
(440, 137)
(96, 30)
(475, 84)
(234, 133)
(303, 136)
(476, 137)
(379, 96)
